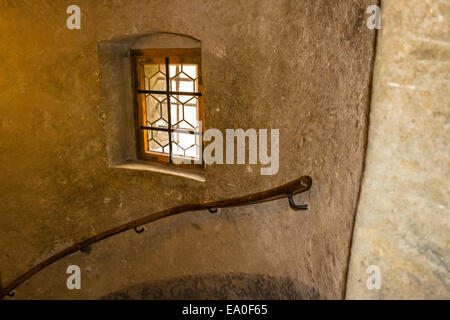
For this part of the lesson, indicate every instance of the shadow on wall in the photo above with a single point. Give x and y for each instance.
(218, 286)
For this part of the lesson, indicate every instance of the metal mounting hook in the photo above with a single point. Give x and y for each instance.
(213, 210)
(139, 231)
(296, 206)
(11, 294)
(86, 250)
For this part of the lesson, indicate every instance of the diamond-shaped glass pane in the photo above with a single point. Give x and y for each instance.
(184, 112)
(190, 70)
(155, 77)
(183, 78)
(185, 145)
(158, 141)
(156, 107)
(192, 152)
(190, 115)
(153, 146)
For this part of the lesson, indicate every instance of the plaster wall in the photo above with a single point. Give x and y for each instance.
(402, 223)
(303, 67)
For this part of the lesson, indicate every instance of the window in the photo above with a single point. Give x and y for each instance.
(169, 104)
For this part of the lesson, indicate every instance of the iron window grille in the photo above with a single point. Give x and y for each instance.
(164, 89)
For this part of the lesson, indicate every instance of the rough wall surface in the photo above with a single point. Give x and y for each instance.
(402, 223)
(301, 66)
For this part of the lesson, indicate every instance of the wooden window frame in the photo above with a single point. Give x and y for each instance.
(158, 56)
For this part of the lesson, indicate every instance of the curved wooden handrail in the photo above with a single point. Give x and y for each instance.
(287, 190)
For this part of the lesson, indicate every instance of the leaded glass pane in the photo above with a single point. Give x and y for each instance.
(184, 109)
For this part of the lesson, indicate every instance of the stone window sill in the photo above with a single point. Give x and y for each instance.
(191, 174)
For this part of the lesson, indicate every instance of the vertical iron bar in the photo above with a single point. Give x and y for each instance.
(177, 87)
(168, 108)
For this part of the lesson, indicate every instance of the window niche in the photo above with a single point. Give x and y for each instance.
(122, 106)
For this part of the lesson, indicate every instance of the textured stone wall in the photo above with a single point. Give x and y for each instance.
(301, 66)
(402, 223)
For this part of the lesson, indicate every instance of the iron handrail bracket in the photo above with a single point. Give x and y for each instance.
(296, 206)
(287, 190)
